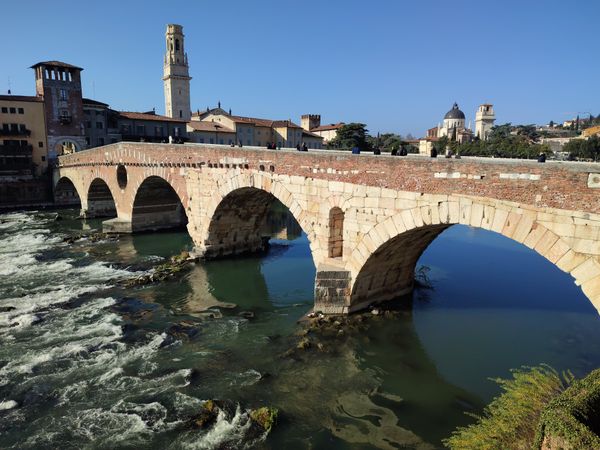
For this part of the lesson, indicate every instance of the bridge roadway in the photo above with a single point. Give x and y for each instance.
(368, 218)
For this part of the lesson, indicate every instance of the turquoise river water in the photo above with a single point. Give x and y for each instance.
(88, 363)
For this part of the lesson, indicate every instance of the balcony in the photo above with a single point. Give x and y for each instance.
(15, 160)
(15, 132)
(16, 150)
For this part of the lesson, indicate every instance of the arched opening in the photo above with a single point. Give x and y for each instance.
(336, 233)
(389, 272)
(240, 224)
(66, 147)
(157, 207)
(100, 200)
(65, 193)
(176, 45)
(121, 176)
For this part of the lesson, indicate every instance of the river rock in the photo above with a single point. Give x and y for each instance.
(247, 314)
(265, 417)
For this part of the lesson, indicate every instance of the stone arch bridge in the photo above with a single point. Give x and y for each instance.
(368, 218)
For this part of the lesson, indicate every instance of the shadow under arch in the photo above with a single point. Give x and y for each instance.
(100, 201)
(65, 193)
(239, 223)
(157, 206)
(389, 272)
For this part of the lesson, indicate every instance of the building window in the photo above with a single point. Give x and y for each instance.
(40, 144)
(63, 94)
(101, 141)
(221, 141)
(99, 125)
(201, 140)
(12, 110)
(180, 114)
(88, 124)
(22, 127)
(4, 109)
(87, 140)
(158, 131)
(212, 141)
(141, 129)
(87, 112)
(43, 158)
(176, 45)
(21, 111)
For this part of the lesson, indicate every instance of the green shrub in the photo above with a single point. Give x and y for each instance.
(510, 421)
(572, 420)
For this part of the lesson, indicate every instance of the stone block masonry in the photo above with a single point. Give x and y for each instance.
(369, 217)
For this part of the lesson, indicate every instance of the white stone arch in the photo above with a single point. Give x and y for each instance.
(134, 188)
(97, 177)
(77, 183)
(515, 222)
(230, 182)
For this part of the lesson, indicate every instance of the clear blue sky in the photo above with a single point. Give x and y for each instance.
(395, 65)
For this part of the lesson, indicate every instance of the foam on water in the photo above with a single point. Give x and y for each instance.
(8, 404)
(64, 336)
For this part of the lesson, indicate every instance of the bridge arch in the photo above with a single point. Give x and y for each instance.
(100, 200)
(157, 205)
(67, 193)
(384, 261)
(233, 220)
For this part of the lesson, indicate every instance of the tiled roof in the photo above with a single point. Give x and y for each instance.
(55, 64)
(333, 126)
(89, 101)
(308, 133)
(21, 98)
(148, 116)
(209, 126)
(264, 122)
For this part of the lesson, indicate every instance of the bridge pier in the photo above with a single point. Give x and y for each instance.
(332, 290)
(117, 226)
(232, 247)
(98, 210)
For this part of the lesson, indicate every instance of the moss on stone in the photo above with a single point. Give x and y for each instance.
(264, 416)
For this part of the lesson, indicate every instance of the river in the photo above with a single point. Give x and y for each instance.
(88, 363)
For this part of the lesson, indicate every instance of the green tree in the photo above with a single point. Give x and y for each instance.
(583, 149)
(351, 135)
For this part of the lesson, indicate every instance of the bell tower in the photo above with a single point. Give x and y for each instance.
(484, 121)
(176, 76)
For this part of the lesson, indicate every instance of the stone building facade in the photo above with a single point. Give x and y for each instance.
(23, 140)
(248, 131)
(312, 124)
(59, 85)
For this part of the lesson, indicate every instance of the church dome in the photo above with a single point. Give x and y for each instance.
(455, 113)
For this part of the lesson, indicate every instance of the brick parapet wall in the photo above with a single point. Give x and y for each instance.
(559, 185)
